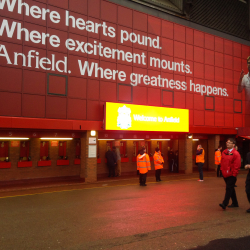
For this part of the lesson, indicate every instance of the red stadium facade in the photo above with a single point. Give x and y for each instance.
(61, 61)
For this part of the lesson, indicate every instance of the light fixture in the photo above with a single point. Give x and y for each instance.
(160, 139)
(14, 138)
(195, 139)
(92, 132)
(189, 136)
(56, 139)
(106, 139)
(133, 139)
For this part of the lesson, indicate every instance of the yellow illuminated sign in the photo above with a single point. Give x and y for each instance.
(120, 116)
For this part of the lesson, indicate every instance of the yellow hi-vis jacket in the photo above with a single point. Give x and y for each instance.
(143, 163)
(158, 160)
(217, 157)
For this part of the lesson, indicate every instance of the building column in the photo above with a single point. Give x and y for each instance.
(213, 143)
(88, 165)
(185, 155)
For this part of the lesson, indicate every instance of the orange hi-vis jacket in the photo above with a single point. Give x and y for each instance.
(217, 157)
(143, 163)
(200, 158)
(158, 160)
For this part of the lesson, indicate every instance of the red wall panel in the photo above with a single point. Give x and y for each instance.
(80, 6)
(108, 91)
(209, 41)
(93, 89)
(77, 87)
(125, 16)
(199, 38)
(167, 29)
(140, 95)
(76, 109)
(219, 44)
(34, 82)
(11, 79)
(209, 118)
(10, 104)
(33, 106)
(56, 107)
(140, 21)
(154, 97)
(179, 33)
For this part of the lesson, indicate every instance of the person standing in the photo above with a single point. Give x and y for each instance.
(217, 159)
(230, 165)
(158, 162)
(118, 165)
(143, 165)
(247, 166)
(171, 160)
(111, 161)
(200, 159)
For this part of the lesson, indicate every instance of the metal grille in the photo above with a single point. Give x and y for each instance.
(228, 16)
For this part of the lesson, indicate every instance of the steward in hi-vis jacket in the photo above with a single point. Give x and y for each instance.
(143, 165)
(200, 159)
(158, 162)
(217, 160)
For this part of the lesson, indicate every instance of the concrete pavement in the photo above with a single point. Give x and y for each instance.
(178, 213)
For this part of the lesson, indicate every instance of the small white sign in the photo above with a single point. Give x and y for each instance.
(92, 140)
(92, 151)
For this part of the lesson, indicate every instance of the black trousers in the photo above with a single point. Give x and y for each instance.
(158, 174)
(111, 170)
(143, 178)
(200, 166)
(219, 174)
(230, 191)
(248, 187)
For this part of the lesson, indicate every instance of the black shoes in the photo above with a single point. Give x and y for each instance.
(143, 185)
(232, 205)
(248, 210)
(157, 180)
(223, 206)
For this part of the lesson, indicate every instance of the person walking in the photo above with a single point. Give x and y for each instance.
(217, 160)
(230, 165)
(143, 165)
(158, 162)
(247, 166)
(200, 154)
(111, 161)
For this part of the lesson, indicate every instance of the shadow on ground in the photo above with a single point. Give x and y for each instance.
(226, 243)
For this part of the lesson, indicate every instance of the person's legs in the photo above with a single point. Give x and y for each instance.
(140, 178)
(200, 165)
(113, 170)
(218, 170)
(248, 188)
(230, 191)
(110, 170)
(145, 178)
(159, 176)
(118, 166)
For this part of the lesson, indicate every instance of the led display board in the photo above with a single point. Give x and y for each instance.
(120, 116)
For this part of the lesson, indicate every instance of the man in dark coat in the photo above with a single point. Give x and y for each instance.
(111, 161)
(171, 160)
